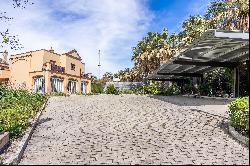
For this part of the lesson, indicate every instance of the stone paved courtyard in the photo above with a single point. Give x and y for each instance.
(131, 129)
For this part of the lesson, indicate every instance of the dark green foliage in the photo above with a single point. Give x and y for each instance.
(152, 88)
(58, 94)
(111, 89)
(204, 90)
(174, 89)
(239, 115)
(126, 91)
(97, 88)
(189, 88)
(16, 108)
(243, 80)
(219, 81)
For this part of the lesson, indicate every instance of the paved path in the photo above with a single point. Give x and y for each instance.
(133, 129)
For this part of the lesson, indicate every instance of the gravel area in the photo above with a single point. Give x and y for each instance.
(134, 129)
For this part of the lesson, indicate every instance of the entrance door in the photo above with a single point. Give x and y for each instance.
(56, 84)
(72, 86)
(39, 85)
(83, 87)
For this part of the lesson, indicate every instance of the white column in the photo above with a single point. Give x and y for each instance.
(57, 85)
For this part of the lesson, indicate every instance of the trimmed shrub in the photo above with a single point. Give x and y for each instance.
(126, 91)
(111, 89)
(173, 90)
(97, 88)
(239, 115)
(153, 88)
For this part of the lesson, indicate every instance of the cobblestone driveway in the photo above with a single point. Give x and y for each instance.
(131, 129)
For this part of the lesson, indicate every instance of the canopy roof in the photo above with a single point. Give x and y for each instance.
(215, 48)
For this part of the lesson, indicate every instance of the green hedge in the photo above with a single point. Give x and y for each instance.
(152, 88)
(97, 88)
(126, 91)
(239, 115)
(17, 107)
(174, 89)
(111, 89)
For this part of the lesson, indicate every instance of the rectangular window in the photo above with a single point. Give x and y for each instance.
(39, 85)
(56, 84)
(73, 66)
(72, 86)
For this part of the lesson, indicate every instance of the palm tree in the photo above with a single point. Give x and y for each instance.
(108, 76)
(228, 15)
(157, 47)
(152, 50)
(193, 27)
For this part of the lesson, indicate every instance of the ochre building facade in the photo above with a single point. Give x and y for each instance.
(46, 71)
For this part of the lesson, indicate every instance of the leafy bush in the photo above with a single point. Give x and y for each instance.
(17, 107)
(97, 88)
(57, 94)
(219, 81)
(204, 89)
(138, 90)
(126, 91)
(173, 90)
(111, 89)
(239, 115)
(153, 88)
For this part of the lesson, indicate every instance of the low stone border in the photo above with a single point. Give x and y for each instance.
(207, 97)
(4, 141)
(15, 159)
(242, 139)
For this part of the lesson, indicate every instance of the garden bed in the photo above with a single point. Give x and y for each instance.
(13, 154)
(19, 110)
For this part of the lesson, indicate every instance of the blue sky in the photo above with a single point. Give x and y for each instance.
(113, 26)
(171, 13)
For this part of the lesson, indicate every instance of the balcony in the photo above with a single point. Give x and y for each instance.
(86, 75)
(56, 68)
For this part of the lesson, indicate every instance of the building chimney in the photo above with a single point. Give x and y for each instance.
(5, 56)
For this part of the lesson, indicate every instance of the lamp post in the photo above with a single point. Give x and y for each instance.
(99, 65)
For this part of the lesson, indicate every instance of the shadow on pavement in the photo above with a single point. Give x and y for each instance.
(44, 120)
(191, 101)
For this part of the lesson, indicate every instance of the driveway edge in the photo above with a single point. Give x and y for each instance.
(15, 159)
(242, 139)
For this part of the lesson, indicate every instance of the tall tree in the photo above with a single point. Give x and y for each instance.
(107, 76)
(5, 37)
(228, 15)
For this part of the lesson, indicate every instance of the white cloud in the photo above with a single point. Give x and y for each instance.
(113, 26)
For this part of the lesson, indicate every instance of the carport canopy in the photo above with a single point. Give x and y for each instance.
(215, 48)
